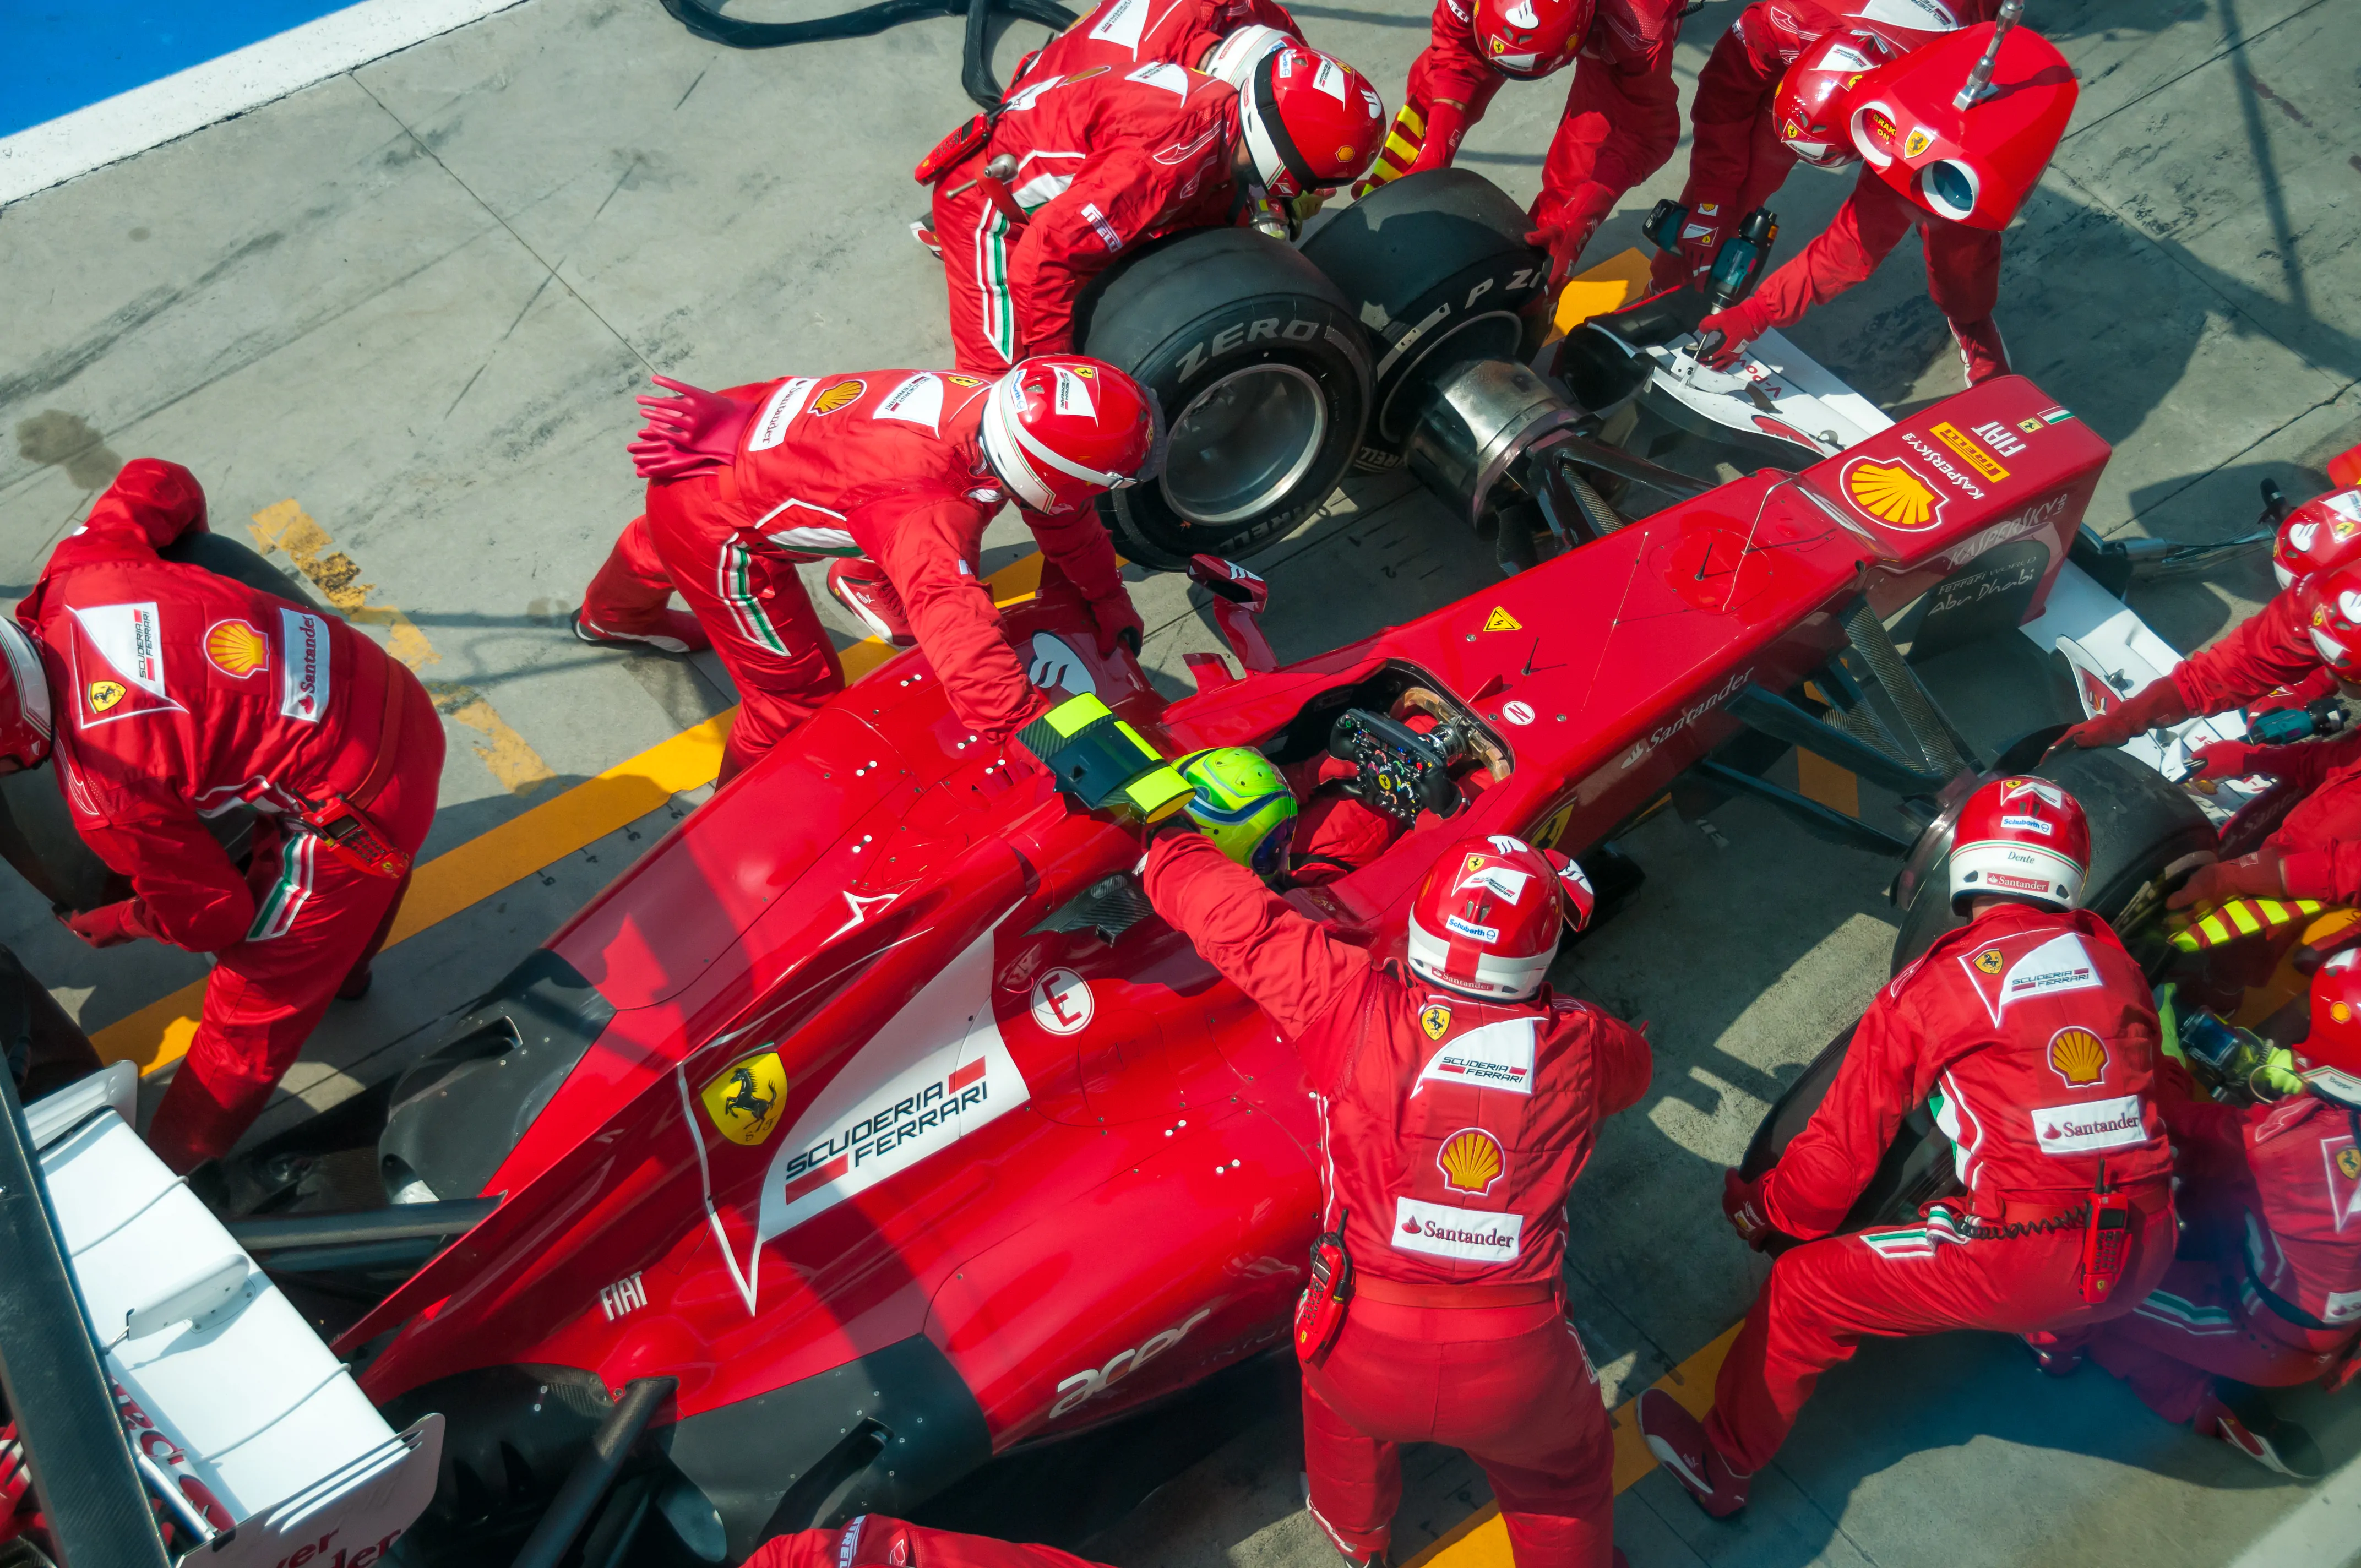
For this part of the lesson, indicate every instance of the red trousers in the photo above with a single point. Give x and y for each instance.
(876, 1541)
(1962, 271)
(746, 594)
(1824, 1297)
(2194, 1328)
(1512, 1385)
(316, 919)
(977, 238)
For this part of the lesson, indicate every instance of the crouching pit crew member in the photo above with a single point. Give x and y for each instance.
(2267, 1292)
(894, 474)
(1459, 1099)
(172, 695)
(876, 1540)
(2033, 1036)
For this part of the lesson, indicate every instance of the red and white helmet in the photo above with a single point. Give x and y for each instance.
(2020, 838)
(1060, 428)
(2329, 1057)
(25, 704)
(2318, 536)
(1485, 921)
(1235, 58)
(1312, 123)
(1530, 38)
(1810, 108)
(2331, 602)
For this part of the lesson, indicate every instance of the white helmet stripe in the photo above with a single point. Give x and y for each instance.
(1004, 400)
(24, 658)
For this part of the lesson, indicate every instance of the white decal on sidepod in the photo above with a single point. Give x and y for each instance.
(1061, 1003)
(1090, 1380)
(1056, 666)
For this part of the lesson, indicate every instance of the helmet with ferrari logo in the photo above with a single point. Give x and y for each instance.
(1312, 123)
(1963, 127)
(1060, 428)
(1810, 107)
(2329, 1057)
(2020, 838)
(1530, 38)
(1487, 919)
(25, 704)
(1242, 805)
(2318, 536)
(2332, 609)
(1235, 58)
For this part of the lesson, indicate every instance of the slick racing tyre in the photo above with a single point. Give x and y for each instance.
(1436, 266)
(1263, 380)
(2142, 826)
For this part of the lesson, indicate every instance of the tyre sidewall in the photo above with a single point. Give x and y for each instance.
(1508, 284)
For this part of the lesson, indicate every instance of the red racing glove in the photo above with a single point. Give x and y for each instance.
(2156, 706)
(2234, 759)
(1564, 240)
(2257, 875)
(1741, 1204)
(1117, 622)
(108, 925)
(1736, 327)
(688, 434)
(1446, 122)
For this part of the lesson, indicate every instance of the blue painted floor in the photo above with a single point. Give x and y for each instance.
(57, 56)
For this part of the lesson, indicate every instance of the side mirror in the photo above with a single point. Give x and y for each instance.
(1239, 595)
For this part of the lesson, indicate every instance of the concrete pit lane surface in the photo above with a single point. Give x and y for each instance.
(394, 321)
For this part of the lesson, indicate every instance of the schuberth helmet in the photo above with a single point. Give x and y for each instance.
(2023, 838)
(2328, 1058)
(1060, 428)
(1810, 108)
(1242, 805)
(1312, 123)
(2331, 602)
(1530, 38)
(25, 704)
(1487, 919)
(2318, 536)
(1235, 58)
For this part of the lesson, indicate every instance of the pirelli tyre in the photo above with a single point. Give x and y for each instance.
(1263, 381)
(1436, 268)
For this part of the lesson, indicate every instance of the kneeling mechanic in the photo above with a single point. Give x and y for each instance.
(1459, 1099)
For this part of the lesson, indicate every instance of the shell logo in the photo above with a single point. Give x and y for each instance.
(2078, 1056)
(1471, 1160)
(844, 394)
(1891, 493)
(236, 648)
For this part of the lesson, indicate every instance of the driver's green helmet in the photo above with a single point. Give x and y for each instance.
(1242, 805)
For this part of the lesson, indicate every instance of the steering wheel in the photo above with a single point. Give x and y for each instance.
(1397, 769)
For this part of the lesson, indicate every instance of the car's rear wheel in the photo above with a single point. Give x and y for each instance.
(1436, 266)
(1264, 379)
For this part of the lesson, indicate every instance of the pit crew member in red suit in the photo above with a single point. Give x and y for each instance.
(876, 1540)
(1810, 112)
(894, 473)
(1622, 116)
(2268, 1291)
(2270, 650)
(1459, 1099)
(1103, 158)
(2034, 1035)
(1737, 158)
(174, 694)
(1124, 34)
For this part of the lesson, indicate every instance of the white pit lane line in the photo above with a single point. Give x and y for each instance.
(2321, 1531)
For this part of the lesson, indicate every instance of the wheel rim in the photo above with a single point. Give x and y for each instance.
(1244, 443)
(1492, 335)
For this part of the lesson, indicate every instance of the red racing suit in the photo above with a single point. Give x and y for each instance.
(2034, 1037)
(2270, 649)
(876, 1541)
(1736, 157)
(1105, 159)
(2271, 1293)
(179, 695)
(1453, 1130)
(886, 464)
(2319, 840)
(1124, 34)
(1622, 116)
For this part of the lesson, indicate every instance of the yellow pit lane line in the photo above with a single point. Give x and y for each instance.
(459, 879)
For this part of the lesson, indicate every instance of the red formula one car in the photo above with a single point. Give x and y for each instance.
(873, 1125)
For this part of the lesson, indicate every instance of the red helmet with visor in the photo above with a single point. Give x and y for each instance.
(1060, 428)
(1487, 919)
(2332, 604)
(2020, 838)
(1530, 38)
(2318, 536)
(1312, 123)
(25, 704)
(1810, 107)
(2329, 1057)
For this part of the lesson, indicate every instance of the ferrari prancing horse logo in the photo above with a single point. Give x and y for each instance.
(1989, 961)
(745, 1101)
(104, 695)
(1435, 1019)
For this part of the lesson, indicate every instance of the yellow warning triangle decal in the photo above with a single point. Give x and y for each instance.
(1501, 621)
